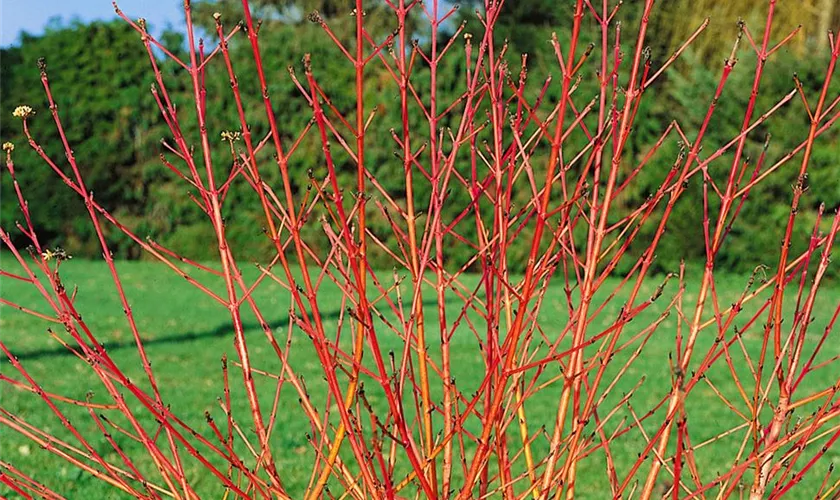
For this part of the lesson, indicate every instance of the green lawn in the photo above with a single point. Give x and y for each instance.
(186, 334)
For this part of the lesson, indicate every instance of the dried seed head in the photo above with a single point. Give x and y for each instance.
(315, 17)
(8, 147)
(23, 112)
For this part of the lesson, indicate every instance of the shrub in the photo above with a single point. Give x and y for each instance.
(497, 172)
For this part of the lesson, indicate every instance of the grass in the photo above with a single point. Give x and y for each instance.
(186, 334)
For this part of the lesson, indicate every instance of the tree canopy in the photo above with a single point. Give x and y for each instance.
(101, 78)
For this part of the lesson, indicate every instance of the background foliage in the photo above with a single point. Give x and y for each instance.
(116, 126)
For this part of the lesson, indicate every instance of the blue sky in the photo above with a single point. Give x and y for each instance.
(33, 16)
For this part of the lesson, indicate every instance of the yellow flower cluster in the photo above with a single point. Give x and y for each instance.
(230, 136)
(23, 112)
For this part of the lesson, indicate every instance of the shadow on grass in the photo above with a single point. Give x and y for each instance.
(219, 331)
